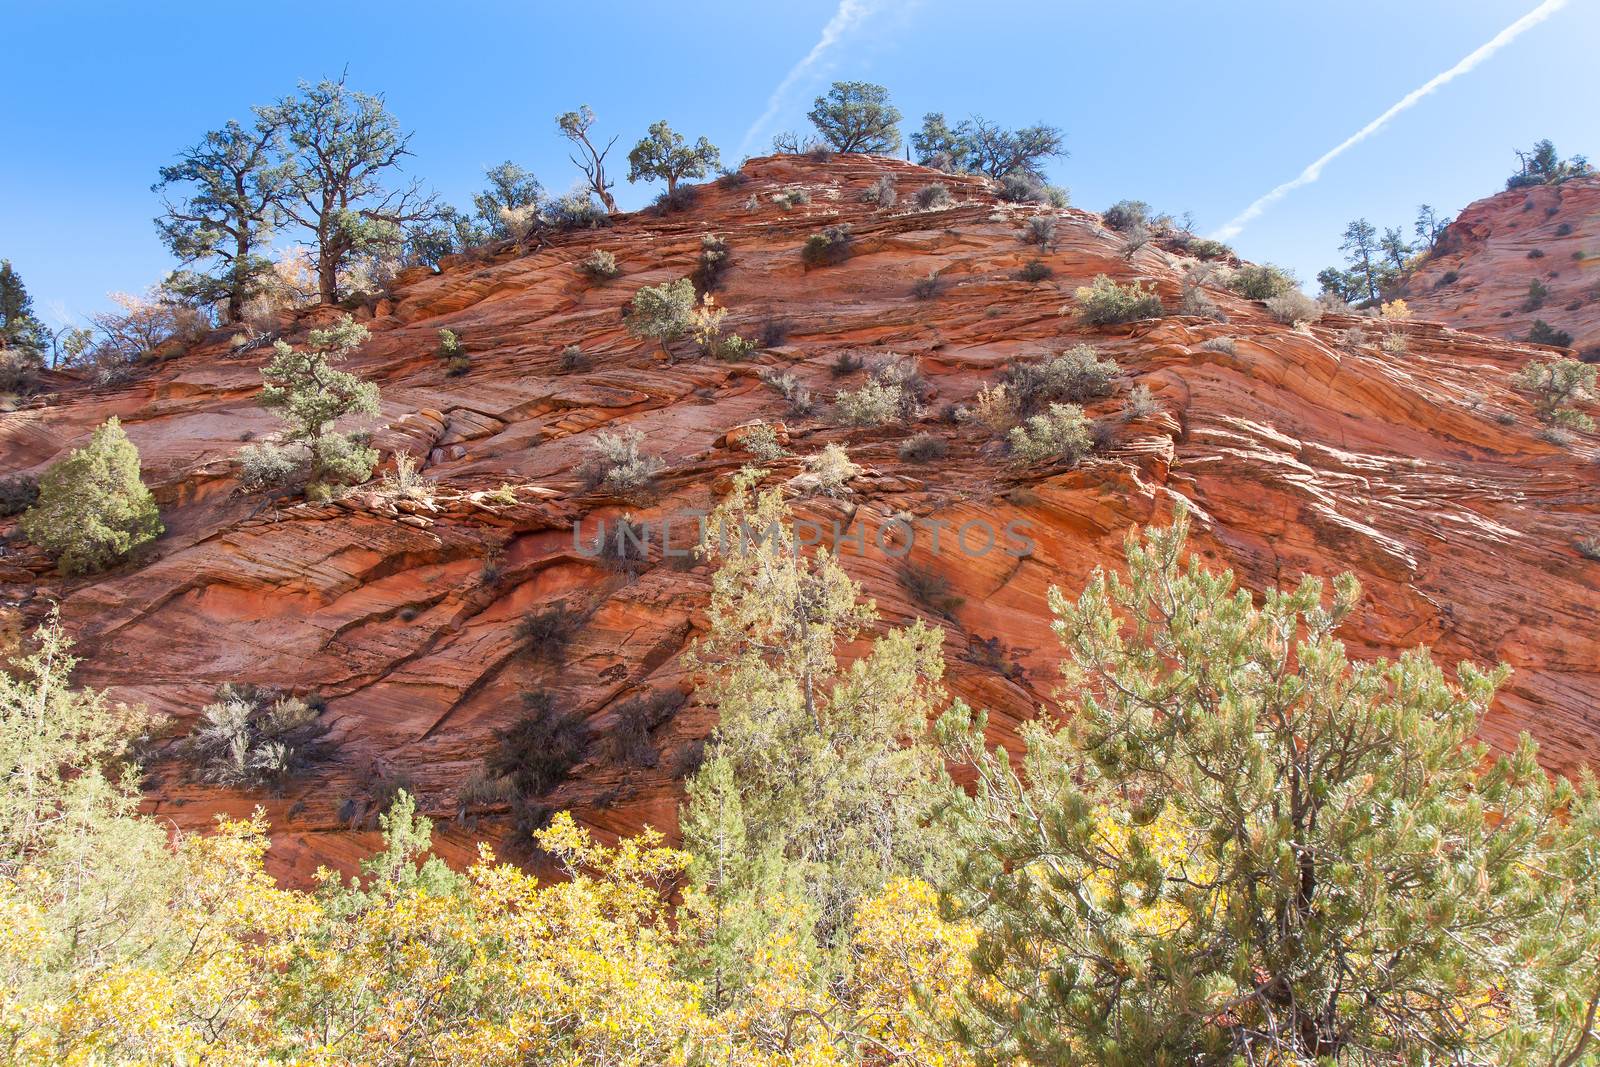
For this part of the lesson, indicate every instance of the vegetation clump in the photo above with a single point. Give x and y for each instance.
(827, 248)
(617, 464)
(1542, 333)
(891, 393)
(311, 395)
(599, 266)
(883, 192)
(91, 509)
(1075, 376)
(545, 635)
(1259, 281)
(1104, 302)
(934, 197)
(1293, 308)
(252, 737)
(537, 752)
(1120, 920)
(1061, 433)
(664, 312)
(1558, 385)
(454, 354)
(1035, 271)
(712, 264)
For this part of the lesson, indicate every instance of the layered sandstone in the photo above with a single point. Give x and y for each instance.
(1480, 277)
(1296, 452)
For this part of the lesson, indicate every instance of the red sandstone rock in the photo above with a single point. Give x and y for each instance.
(1487, 250)
(1294, 454)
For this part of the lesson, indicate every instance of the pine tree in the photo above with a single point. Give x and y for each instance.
(1361, 251)
(311, 396)
(1239, 846)
(233, 192)
(345, 145)
(20, 330)
(92, 508)
(820, 778)
(857, 117)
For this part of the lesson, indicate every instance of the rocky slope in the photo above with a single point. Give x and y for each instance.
(1296, 451)
(1488, 258)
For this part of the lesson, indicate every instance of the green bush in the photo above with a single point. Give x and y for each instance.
(1062, 433)
(92, 509)
(454, 354)
(923, 448)
(616, 464)
(1033, 271)
(1542, 333)
(1206, 248)
(830, 247)
(311, 396)
(1126, 215)
(1556, 385)
(1021, 189)
(926, 288)
(1260, 281)
(599, 266)
(1538, 293)
(1040, 230)
(882, 192)
(1294, 306)
(663, 312)
(789, 199)
(1075, 376)
(1104, 302)
(538, 751)
(251, 737)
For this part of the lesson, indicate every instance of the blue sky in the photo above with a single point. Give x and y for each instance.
(1190, 106)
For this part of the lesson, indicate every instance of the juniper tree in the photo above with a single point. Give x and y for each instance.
(92, 508)
(664, 154)
(575, 127)
(310, 396)
(232, 187)
(857, 117)
(511, 187)
(345, 147)
(1230, 843)
(663, 312)
(1557, 385)
(820, 778)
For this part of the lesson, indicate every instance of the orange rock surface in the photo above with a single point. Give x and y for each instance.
(1480, 278)
(1422, 473)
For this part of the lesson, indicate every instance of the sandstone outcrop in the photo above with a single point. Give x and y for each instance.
(1490, 256)
(1297, 452)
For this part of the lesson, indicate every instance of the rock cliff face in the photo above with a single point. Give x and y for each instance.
(1489, 258)
(1296, 451)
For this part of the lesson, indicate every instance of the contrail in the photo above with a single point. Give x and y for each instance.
(1313, 172)
(849, 14)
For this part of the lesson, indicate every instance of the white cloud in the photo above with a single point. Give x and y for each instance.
(851, 13)
(1314, 171)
